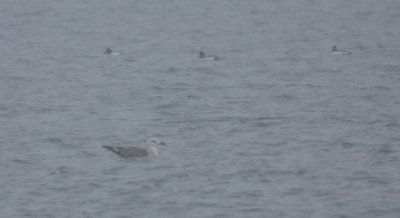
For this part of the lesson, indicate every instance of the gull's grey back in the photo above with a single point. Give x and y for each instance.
(128, 151)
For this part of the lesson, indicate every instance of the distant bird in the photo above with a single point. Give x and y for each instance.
(203, 56)
(108, 51)
(341, 52)
(149, 151)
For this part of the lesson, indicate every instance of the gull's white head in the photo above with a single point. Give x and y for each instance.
(151, 149)
(153, 141)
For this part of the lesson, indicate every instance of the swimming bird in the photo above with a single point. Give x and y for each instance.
(108, 51)
(203, 56)
(341, 52)
(149, 151)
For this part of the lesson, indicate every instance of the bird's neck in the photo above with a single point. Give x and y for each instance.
(152, 151)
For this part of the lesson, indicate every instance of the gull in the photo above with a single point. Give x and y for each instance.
(203, 56)
(149, 151)
(341, 52)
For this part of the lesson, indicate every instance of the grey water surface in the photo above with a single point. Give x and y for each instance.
(278, 127)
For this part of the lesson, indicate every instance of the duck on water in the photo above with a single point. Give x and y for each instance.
(203, 56)
(340, 52)
(109, 51)
(126, 152)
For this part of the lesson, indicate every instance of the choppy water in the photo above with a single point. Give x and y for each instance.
(279, 127)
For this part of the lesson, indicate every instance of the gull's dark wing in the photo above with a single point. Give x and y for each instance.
(127, 151)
